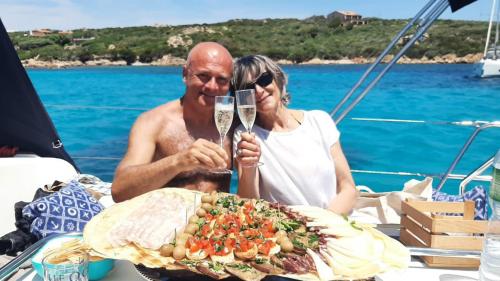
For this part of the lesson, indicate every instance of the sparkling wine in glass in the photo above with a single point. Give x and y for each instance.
(223, 114)
(245, 100)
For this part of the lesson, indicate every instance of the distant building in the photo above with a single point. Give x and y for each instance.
(67, 32)
(41, 32)
(347, 17)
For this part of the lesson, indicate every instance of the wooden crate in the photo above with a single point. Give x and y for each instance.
(428, 224)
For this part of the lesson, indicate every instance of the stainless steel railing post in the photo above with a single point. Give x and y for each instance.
(479, 128)
(441, 7)
(382, 55)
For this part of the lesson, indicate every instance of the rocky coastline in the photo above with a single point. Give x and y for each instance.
(169, 60)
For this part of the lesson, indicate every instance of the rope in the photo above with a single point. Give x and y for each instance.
(96, 107)
(392, 173)
(456, 123)
(451, 176)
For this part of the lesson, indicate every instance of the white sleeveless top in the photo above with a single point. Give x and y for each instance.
(297, 166)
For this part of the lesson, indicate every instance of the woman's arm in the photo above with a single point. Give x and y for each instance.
(247, 156)
(346, 190)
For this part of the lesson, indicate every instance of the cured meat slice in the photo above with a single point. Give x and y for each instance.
(152, 224)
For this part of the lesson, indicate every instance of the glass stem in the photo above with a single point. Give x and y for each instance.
(222, 141)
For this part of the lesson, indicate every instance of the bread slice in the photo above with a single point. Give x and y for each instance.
(244, 271)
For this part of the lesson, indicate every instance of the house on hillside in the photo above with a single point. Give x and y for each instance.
(41, 32)
(347, 17)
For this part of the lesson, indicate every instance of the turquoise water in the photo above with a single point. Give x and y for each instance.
(431, 93)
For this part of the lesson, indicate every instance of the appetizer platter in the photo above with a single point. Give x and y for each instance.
(220, 234)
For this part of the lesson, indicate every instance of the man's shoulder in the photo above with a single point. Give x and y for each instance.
(162, 113)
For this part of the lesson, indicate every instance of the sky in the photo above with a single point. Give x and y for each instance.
(72, 14)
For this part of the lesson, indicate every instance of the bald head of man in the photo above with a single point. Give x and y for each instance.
(207, 72)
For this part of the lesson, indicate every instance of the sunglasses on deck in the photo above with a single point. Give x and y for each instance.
(264, 80)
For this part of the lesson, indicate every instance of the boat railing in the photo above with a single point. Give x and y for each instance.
(421, 22)
(474, 174)
(415, 28)
(480, 126)
(466, 179)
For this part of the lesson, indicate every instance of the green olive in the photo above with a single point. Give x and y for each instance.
(206, 198)
(286, 245)
(191, 228)
(214, 199)
(179, 252)
(207, 207)
(201, 213)
(280, 233)
(166, 250)
(182, 238)
(193, 219)
(280, 236)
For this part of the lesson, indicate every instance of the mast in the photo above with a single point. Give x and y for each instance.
(495, 56)
(493, 6)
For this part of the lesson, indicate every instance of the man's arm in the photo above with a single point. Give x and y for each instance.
(346, 190)
(137, 174)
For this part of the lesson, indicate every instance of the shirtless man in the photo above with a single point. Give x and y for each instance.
(170, 145)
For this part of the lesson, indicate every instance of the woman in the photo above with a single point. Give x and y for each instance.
(302, 160)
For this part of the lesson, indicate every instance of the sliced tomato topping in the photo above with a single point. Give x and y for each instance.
(267, 234)
(205, 230)
(268, 225)
(265, 247)
(194, 248)
(248, 207)
(248, 219)
(209, 217)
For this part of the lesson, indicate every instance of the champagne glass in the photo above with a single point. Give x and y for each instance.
(245, 100)
(223, 115)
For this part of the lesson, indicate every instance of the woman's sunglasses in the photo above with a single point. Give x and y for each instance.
(264, 80)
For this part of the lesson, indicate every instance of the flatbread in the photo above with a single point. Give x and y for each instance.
(97, 230)
(244, 271)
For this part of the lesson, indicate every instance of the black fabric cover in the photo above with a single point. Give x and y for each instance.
(24, 121)
(458, 4)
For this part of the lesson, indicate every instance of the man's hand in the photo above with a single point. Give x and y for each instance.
(248, 152)
(203, 154)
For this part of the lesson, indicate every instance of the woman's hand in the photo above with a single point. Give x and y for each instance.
(248, 151)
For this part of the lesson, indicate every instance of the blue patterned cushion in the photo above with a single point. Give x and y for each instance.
(478, 194)
(64, 211)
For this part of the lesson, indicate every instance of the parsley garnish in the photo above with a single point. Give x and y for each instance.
(219, 248)
(298, 244)
(240, 266)
(260, 261)
(216, 266)
(288, 225)
(313, 239)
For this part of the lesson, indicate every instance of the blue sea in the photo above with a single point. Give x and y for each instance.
(94, 108)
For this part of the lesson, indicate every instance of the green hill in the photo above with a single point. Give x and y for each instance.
(291, 39)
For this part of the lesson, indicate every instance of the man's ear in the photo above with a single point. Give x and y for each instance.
(184, 73)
